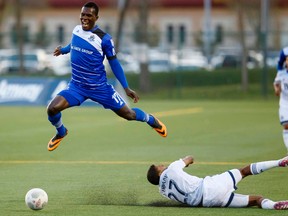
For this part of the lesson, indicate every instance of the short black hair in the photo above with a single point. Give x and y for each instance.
(92, 5)
(153, 176)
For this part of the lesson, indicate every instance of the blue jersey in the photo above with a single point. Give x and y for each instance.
(88, 50)
(282, 57)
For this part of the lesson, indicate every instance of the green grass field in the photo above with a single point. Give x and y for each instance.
(100, 167)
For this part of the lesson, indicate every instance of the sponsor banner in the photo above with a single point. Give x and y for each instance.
(32, 91)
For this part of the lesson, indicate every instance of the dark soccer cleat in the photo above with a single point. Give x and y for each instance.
(55, 141)
(281, 205)
(159, 127)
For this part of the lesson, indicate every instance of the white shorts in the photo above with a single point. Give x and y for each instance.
(218, 189)
(283, 115)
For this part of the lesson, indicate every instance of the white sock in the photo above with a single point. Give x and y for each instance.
(267, 204)
(260, 167)
(285, 138)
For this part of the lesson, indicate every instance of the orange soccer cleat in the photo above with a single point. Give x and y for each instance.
(55, 141)
(160, 128)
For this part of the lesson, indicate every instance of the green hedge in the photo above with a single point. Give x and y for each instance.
(218, 84)
(201, 78)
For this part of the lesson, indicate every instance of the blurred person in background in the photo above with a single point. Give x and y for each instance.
(211, 191)
(282, 58)
(88, 48)
(281, 90)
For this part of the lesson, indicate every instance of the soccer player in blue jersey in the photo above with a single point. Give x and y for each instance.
(88, 48)
(212, 191)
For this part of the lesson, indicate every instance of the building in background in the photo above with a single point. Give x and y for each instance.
(172, 24)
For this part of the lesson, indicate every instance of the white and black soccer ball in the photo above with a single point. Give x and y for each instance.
(36, 198)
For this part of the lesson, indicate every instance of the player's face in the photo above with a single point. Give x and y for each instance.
(160, 169)
(88, 18)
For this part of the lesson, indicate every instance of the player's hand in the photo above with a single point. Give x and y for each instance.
(57, 51)
(132, 94)
(277, 89)
(188, 160)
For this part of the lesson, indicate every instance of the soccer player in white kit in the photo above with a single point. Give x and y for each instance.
(211, 191)
(281, 90)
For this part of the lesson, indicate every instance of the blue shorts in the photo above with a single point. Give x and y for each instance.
(105, 95)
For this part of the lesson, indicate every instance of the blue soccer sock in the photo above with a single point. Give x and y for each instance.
(57, 122)
(141, 115)
(151, 121)
(144, 117)
(61, 130)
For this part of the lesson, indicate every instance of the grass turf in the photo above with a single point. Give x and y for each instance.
(100, 167)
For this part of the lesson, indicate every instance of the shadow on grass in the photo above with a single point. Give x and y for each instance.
(126, 198)
(167, 204)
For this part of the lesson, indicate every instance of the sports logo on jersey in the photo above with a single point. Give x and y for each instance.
(91, 38)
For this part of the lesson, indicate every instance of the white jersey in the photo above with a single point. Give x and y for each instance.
(282, 79)
(216, 190)
(178, 185)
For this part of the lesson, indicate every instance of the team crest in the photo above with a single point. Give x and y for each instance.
(91, 38)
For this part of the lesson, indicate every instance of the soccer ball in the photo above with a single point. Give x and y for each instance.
(36, 198)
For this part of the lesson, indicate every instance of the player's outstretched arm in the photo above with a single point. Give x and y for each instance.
(188, 160)
(57, 51)
(62, 50)
(132, 94)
